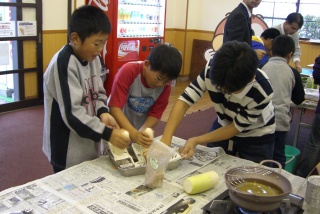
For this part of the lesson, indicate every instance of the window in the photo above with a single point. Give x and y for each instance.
(276, 11)
(21, 66)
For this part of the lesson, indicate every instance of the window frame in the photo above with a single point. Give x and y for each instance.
(21, 71)
(274, 20)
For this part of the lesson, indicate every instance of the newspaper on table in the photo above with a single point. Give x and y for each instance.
(311, 99)
(98, 187)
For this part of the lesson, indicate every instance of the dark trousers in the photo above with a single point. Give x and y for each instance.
(279, 147)
(57, 169)
(311, 153)
(253, 151)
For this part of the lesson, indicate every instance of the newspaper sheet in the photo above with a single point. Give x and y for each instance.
(311, 99)
(98, 187)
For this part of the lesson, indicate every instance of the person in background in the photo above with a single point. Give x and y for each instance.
(264, 43)
(140, 91)
(290, 27)
(242, 98)
(286, 88)
(310, 156)
(75, 115)
(238, 24)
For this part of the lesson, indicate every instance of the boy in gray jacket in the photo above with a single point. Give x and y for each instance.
(75, 114)
(287, 87)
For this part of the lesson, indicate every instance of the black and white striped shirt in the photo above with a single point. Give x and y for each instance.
(251, 110)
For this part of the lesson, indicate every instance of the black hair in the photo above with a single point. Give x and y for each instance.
(252, 32)
(166, 60)
(282, 46)
(233, 66)
(295, 17)
(270, 33)
(87, 20)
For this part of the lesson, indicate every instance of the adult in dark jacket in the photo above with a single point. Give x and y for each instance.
(310, 154)
(238, 25)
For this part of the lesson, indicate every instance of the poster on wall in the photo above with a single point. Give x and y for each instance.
(27, 28)
(7, 29)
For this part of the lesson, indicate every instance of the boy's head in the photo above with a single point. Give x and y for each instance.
(88, 20)
(88, 31)
(293, 23)
(283, 46)
(268, 36)
(233, 66)
(162, 65)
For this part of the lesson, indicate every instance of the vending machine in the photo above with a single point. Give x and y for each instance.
(137, 27)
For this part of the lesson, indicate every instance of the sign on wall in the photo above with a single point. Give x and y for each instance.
(7, 29)
(27, 28)
(24, 28)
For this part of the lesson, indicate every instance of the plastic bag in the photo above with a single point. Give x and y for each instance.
(158, 158)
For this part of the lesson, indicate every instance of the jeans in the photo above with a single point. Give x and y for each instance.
(255, 151)
(279, 147)
(310, 154)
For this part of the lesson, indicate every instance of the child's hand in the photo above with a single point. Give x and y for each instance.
(145, 152)
(298, 66)
(119, 138)
(109, 121)
(260, 53)
(187, 151)
(144, 138)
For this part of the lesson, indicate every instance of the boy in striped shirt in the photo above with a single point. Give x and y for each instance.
(242, 98)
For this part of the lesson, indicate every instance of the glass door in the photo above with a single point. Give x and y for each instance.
(20, 54)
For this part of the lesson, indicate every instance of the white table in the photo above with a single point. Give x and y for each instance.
(97, 187)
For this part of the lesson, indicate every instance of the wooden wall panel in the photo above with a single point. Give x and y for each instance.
(176, 38)
(309, 51)
(179, 38)
(183, 41)
(169, 36)
(30, 85)
(30, 61)
(29, 54)
(53, 41)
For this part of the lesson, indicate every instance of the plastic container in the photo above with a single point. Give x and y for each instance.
(312, 196)
(310, 83)
(291, 158)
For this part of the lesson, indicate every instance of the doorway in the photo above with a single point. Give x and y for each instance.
(20, 54)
